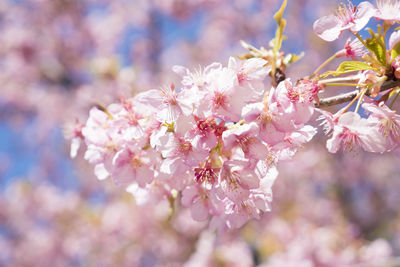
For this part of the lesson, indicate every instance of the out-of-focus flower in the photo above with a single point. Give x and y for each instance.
(73, 132)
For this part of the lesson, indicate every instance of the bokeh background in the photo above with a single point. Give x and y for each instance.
(58, 58)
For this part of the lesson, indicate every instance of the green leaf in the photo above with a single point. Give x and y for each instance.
(378, 49)
(277, 43)
(376, 45)
(346, 67)
(279, 14)
(349, 66)
(395, 51)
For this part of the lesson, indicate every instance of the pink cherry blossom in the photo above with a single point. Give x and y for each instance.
(166, 103)
(223, 97)
(352, 49)
(132, 164)
(251, 74)
(259, 113)
(179, 154)
(74, 133)
(286, 149)
(235, 180)
(328, 120)
(352, 131)
(203, 133)
(388, 10)
(202, 202)
(394, 39)
(102, 140)
(191, 140)
(244, 137)
(207, 173)
(256, 202)
(292, 106)
(198, 78)
(387, 121)
(348, 17)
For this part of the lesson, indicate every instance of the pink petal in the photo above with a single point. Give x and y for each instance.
(170, 166)
(101, 172)
(333, 144)
(269, 134)
(365, 11)
(188, 195)
(251, 112)
(199, 210)
(258, 150)
(144, 175)
(328, 28)
(75, 144)
(394, 39)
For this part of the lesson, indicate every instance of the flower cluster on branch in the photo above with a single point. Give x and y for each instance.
(214, 142)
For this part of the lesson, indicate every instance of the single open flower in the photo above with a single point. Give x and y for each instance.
(388, 10)
(352, 49)
(351, 131)
(347, 17)
(387, 121)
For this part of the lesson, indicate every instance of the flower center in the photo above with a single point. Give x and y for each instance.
(346, 14)
(185, 147)
(220, 100)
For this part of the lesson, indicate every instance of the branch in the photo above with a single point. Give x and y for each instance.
(343, 98)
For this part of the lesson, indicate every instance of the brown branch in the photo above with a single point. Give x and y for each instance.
(346, 97)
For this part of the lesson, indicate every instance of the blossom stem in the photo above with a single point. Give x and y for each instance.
(171, 200)
(324, 64)
(343, 98)
(360, 99)
(104, 109)
(352, 102)
(340, 79)
(342, 84)
(362, 41)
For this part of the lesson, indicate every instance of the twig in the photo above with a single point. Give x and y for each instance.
(346, 97)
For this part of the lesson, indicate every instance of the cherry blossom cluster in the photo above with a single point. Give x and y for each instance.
(380, 131)
(216, 140)
(354, 19)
